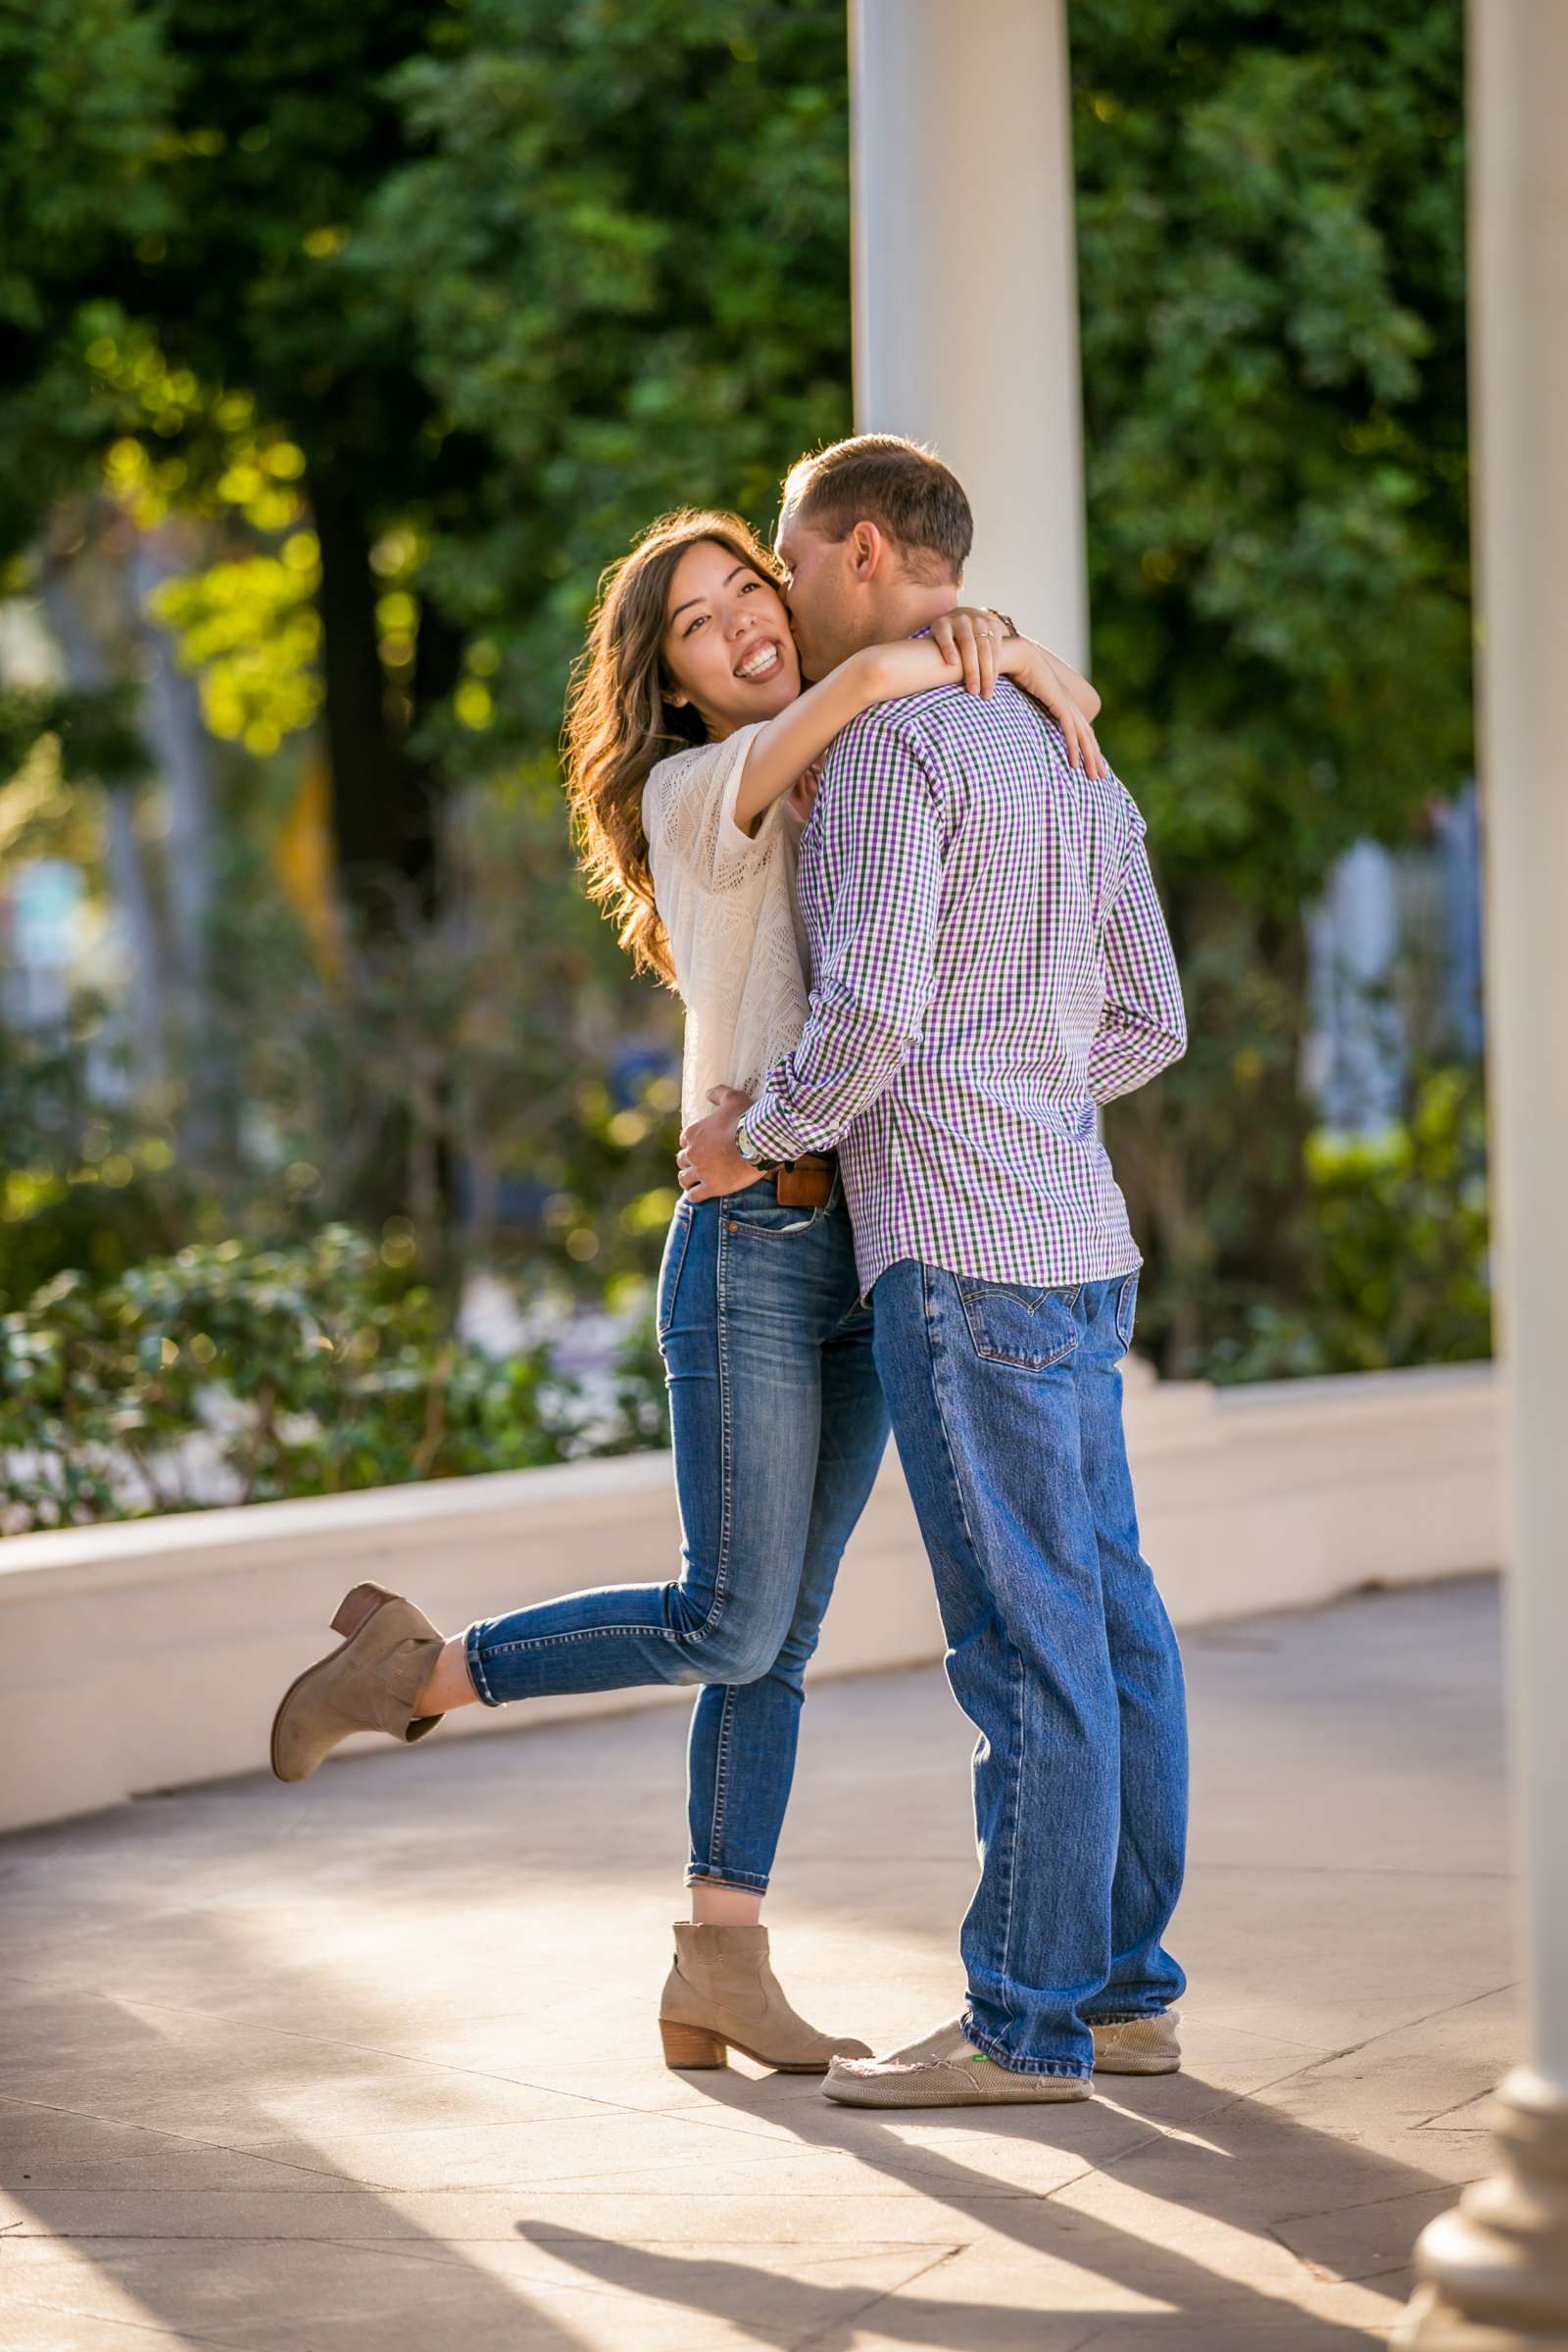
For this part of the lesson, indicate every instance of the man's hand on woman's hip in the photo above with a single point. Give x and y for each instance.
(708, 1163)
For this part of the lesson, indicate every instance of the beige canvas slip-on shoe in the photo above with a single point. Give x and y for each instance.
(1139, 2045)
(722, 1994)
(370, 1683)
(946, 2070)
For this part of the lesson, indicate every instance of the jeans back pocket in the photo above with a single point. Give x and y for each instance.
(1020, 1324)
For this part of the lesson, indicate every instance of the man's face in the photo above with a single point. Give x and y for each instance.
(819, 592)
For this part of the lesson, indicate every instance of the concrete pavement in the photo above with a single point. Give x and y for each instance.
(373, 2063)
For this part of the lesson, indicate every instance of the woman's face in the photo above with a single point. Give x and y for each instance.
(727, 644)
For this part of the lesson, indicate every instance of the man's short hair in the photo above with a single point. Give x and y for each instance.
(904, 489)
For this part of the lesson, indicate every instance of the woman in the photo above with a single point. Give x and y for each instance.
(689, 743)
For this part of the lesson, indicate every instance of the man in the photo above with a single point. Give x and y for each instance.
(990, 961)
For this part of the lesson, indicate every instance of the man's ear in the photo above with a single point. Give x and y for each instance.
(869, 551)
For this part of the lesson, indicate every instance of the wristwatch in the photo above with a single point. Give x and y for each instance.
(753, 1153)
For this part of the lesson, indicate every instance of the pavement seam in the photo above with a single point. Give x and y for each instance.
(583, 2098)
(914, 2170)
(1370, 2041)
(382, 2193)
(1353, 2049)
(133, 2001)
(465, 2122)
(178, 2335)
(1269, 2230)
(1458, 2107)
(1393, 2269)
(1396, 2197)
(1488, 1992)
(186, 2140)
(851, 2319)
(1325, 2276)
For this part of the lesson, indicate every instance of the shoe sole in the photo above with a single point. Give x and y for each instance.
(854, 2099)
(1140, 2066)
(843, 2096)
(354, 1613)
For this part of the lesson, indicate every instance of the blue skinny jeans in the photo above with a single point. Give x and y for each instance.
(779, 1427)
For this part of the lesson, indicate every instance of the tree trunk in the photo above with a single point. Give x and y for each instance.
(385, 818)
(380, 809)
(437, 667)
(181, 749)
(129, 881)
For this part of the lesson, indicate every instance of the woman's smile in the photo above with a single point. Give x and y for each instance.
(761, 660)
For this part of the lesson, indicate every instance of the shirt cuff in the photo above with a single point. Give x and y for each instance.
(769, 1133)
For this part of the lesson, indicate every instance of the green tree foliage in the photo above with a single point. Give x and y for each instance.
(1272, 276)
(84, 1185)
(624, 250)
(1271, 257)
(1398, 1249)
(510, 278)
(504, 279)
(88, 86)
(203, 243)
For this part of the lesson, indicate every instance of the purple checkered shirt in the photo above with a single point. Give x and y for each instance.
(989, 961)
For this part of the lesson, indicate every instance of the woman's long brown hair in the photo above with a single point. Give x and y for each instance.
(620, 722)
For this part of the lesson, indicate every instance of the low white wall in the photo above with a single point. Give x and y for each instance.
(149, 1655)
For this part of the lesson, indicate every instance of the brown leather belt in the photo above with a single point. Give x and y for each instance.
(806, 1183)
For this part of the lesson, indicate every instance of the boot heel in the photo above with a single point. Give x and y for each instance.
(691, 2045)
(356, 1609)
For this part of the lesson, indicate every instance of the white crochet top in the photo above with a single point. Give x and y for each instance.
(728, 904)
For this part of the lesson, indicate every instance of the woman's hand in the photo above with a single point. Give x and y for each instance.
(970, 637)
(1054, 684)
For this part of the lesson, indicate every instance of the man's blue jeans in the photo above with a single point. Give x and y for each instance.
(1006, 1407)
(779, 1429)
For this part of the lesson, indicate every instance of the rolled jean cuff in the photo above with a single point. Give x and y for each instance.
(476, 1674)
(745, 1882)
(1013, 2064)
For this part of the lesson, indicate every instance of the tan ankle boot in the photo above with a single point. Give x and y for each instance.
(369, 1684)
(722, 1991)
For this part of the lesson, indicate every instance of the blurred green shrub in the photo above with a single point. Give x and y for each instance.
(1395, 1250)
(232, 1372)
(87, 1180)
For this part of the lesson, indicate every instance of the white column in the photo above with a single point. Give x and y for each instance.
(965, 285)
(1496, 2271)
